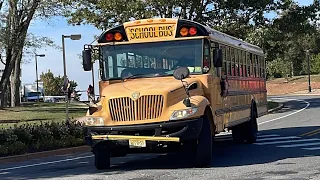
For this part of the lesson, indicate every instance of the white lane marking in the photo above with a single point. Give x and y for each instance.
(230, 133)
(300, 145)
(271, 120)
(229, 137)
(45, 163)
(290, 141)
(258, 136)
(315, 148)
(268, 135)
(277, 138)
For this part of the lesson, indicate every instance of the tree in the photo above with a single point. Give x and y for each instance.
(53, 85)
(283, 38)
(108, 13)
(16, 16)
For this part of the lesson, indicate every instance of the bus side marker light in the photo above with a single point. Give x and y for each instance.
(184, 31)
(118, 36)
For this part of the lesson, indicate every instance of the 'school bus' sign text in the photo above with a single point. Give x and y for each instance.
(150, 32)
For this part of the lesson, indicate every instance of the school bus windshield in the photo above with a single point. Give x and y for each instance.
(150, 59)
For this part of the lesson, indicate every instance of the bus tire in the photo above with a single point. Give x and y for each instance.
(203, 148)
(101, 157)
(246, 132)
(252, 128)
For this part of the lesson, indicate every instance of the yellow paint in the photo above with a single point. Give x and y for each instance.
(314, 133)
(311, 133)
(149, 29)
(124, 137)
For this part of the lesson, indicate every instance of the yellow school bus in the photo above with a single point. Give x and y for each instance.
(171, 85)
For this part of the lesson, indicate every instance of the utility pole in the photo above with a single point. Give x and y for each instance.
(308, 56)
(72, 37)
(37, 78)
(35, 55)
(94, 94)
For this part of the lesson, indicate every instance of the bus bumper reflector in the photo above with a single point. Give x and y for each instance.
(124, 137)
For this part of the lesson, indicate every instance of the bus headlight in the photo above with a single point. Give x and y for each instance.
(180, 114)
(94, 121)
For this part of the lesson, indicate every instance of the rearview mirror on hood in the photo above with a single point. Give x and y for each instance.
(181, 73)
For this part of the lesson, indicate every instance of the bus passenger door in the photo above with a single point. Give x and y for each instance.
(217, 99)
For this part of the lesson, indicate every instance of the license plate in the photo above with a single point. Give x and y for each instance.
(137, 143)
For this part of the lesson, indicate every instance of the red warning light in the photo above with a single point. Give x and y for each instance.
(193, 31)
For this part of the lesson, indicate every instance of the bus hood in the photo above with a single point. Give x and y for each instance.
(158, 85)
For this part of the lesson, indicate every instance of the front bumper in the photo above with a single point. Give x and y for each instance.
(170, 131)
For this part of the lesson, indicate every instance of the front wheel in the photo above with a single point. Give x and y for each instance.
(101, 157)
(202, 149)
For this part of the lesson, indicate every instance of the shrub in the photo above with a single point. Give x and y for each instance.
(29, 138)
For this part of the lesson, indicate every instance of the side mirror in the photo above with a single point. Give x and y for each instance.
(181, 73)
(217, 57)
(86, 60)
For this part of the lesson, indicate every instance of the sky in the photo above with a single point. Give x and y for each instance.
(53, 59)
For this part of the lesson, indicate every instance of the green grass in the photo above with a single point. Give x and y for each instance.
(272, 105)
(36, 112)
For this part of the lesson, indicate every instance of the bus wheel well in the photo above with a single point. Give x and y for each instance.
(208, 112)
(254, 106)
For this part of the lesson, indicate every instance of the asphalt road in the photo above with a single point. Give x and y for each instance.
(286, 149)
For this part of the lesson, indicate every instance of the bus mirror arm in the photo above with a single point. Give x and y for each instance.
(186, 101)
(180, 74)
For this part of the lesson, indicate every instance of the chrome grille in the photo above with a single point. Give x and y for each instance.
(126, 109)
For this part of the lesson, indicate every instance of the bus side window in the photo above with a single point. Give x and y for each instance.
(228, 61)
(232, 62)
(207, 57)
(224, 64)
(248, 64)
(236, 62)
(243, 65)
(258, 66)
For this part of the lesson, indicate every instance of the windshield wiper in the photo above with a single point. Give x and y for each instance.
(136, 76)
(164, 75)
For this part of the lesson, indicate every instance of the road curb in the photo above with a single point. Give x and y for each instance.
(280, 106)
(304, 94)
(43, 154)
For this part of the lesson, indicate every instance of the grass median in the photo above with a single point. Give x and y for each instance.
(272, 105)
(40, 112)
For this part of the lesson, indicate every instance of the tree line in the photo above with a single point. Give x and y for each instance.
(285, 37)
(52, 84)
